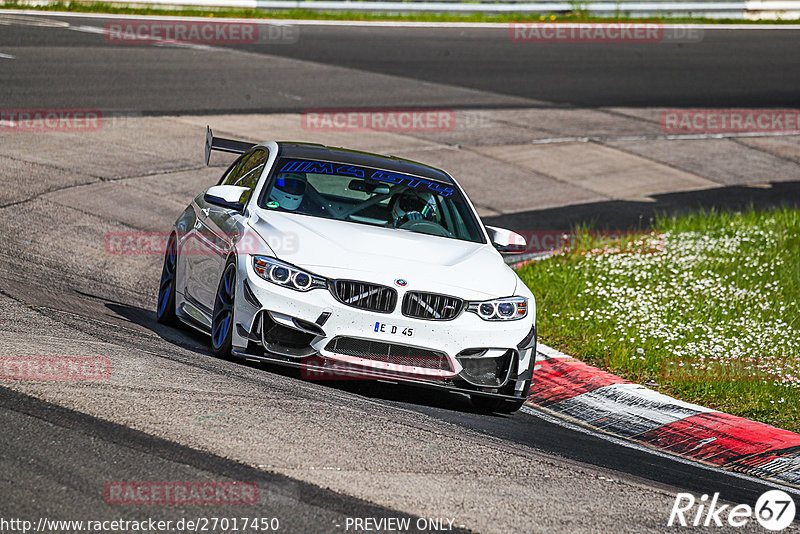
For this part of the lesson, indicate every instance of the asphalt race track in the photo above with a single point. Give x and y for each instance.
(324, 452)
(458, 66)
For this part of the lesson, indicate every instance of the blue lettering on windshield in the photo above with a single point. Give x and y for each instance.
(441, 189)
(385, 176)
(350, 171)
(318, 167)
(296, 166)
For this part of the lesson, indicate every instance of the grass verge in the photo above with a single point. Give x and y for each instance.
(705, 308)
(306, 14)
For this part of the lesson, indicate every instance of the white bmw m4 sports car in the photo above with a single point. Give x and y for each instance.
(351, 265)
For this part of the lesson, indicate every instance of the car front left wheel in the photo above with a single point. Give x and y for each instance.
(165, 310)
(222, 317)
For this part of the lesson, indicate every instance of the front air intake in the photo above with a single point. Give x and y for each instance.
(393, 353)
(431, 306)
(365, 296)
(486, 367)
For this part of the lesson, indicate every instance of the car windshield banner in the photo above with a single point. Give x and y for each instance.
(345, 169)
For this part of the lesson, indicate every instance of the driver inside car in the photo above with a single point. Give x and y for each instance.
(412, 205)
(290, 192)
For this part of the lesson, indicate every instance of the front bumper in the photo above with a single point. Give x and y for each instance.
(331, 340)
(322, 369)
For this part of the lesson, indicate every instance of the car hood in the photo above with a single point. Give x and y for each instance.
(340, 249)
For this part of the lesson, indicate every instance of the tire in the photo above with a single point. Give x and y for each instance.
(222, 317)
(489, 405)
(165, 307)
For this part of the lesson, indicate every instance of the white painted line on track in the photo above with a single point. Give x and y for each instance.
(89, 29)
(161, 42)
(383, 23)
(7, 56)
(9, 18)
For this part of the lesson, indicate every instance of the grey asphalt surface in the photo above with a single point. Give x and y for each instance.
(180, 414)
(58, 480)
(319, 452)
(74, 67)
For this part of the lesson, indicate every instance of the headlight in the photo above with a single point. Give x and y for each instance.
(505, 309)
(284, 274)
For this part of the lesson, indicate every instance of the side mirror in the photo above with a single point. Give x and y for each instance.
(226, 196)
(506, 241)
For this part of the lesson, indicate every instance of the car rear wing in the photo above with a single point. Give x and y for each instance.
(225, 145)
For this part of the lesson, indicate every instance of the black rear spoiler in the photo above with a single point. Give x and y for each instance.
(225, 145)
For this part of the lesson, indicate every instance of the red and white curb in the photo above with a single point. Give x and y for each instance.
(572, 390)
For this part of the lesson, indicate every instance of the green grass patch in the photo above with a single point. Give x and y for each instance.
(705, 308)
(577, 15)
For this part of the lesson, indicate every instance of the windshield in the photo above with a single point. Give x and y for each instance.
(370, 196)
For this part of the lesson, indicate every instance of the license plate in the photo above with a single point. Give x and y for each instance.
(385, 328)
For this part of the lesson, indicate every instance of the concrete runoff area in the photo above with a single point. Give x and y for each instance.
(64, 293)
(534, 166)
